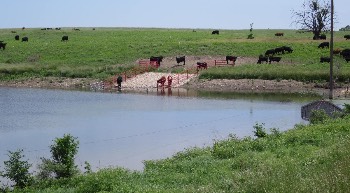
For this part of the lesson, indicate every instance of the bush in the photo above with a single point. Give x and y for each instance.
(62, 164)
(318, 116)
(259, 130)
(17, 170)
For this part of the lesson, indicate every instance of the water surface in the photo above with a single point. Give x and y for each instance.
(116, 129)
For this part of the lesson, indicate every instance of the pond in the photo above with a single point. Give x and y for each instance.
(123, 129)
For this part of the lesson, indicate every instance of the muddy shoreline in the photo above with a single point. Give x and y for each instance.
(219, 85)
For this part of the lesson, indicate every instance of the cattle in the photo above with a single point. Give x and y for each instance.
(181, 59)
(345, 53)
(347, 37)
(57, 28)
(119, 81)
(215, 32)
(231, 58)
(337, 51)
(320, 37)
(288, 49)
(347, 59)
(43, 28)
(17, 37)
(274, 59)
(25, 39)
(323, 45)
(64, 38)
(201, 65)
(270, 52)
(279, 50)
(279, 34)
(156, 59)
(76, 29)
(2, 45)
(262, 59)
(325, 59)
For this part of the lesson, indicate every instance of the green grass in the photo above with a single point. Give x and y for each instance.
(107, 51)
(313, 158)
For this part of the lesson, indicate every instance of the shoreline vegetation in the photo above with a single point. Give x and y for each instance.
(307, 158)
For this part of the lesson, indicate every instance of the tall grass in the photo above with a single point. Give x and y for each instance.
(106, 51)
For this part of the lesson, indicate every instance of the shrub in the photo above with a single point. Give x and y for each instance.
(17, 170)
(62, 164)
(318, 116)
(260, 131)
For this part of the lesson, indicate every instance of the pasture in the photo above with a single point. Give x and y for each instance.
(104, 52)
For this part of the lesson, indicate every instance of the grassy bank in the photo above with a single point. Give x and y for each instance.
(312, 158)
(107, 51)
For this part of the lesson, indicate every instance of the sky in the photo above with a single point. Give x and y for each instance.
(193, 14)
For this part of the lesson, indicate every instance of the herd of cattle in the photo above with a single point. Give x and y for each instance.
(25, 39)
(268, 57)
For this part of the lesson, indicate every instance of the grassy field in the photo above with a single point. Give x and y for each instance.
(107, 51)
(314, 158)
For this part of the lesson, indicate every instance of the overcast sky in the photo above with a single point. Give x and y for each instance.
(208, 14)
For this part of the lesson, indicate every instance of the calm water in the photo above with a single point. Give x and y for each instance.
(116, 129)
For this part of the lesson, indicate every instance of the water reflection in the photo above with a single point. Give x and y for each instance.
(124, 129)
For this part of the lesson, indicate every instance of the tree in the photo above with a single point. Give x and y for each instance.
(314, 16)
(17, 170)
(62, 163)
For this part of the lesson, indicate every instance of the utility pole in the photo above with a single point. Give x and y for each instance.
(331, 55)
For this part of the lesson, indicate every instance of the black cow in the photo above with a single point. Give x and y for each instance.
(215, 32)
(279, 34)
(157, 59)
(325, 59)
(201, 65)
(231, 58)
(347, 37)
(345, 53)
(323, 45)
(347, 58)
(323, 37)
(288, 49)
(320, 37)
(181, 59)
(262, 59)
(17, 37)
(274, 59)
(119, 81)
(25, 39)
(270, 52)
(279, 50)
(64, 38)
(2, 45)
